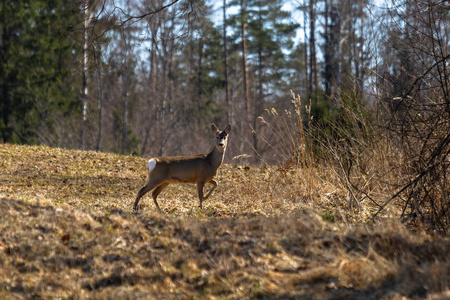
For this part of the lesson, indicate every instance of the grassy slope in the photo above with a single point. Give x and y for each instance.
(67, 231)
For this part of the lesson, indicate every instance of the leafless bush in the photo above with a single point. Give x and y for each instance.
(415, 110)
(400, 155)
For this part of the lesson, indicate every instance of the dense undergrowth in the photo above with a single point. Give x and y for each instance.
(67, 231)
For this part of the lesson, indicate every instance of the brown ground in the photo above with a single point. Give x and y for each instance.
(67, 231)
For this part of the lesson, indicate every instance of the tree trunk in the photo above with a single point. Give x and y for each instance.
(312, 50)
(125, 112)
(258, 103)
(100, 99)
(359, 65)
(167, 48)
(225, 63)
(152, 80)
(84, 97)
(246, 119)
(339, 64)
(84, 76)
(328, 49)
(307, 82)
(162, 108)
(199, 68)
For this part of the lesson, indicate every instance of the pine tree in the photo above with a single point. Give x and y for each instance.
(267, 35)
(34, 62)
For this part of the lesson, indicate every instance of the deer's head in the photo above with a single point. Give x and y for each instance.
(221, 136)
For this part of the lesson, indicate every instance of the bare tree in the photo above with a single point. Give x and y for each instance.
(98, 60)
(246, 87)
(225, 61)
(312, 48)
(88, 19)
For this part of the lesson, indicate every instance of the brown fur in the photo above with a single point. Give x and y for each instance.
(199, 169)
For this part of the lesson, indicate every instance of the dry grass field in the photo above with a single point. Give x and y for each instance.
(67, 230)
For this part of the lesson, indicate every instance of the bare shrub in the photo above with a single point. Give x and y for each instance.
(396, 155)
(414, 110)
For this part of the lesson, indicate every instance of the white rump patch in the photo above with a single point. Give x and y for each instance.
(151, 165)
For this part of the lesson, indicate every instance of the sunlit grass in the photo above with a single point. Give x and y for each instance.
(67, 230)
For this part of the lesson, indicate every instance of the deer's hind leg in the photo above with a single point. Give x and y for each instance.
(200, 186)
(144, 190)
(158, 191)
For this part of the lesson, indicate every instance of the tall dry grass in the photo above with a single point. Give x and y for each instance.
(353, 165)
(292, 150)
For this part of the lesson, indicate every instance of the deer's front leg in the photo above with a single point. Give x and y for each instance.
(200, 186)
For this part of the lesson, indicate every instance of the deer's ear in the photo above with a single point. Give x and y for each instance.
(228, 129)
(214, 128)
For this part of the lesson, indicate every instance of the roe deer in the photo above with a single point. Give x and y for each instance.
(199, 169)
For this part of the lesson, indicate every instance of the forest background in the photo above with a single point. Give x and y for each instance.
(358, 86)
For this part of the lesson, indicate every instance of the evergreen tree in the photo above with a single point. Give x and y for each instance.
(35, 55)
(269, 34)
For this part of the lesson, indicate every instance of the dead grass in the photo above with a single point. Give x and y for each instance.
(67, 231)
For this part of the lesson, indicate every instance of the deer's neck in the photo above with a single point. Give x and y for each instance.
(216, 156)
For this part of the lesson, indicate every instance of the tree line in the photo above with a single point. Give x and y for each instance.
(134, 78)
